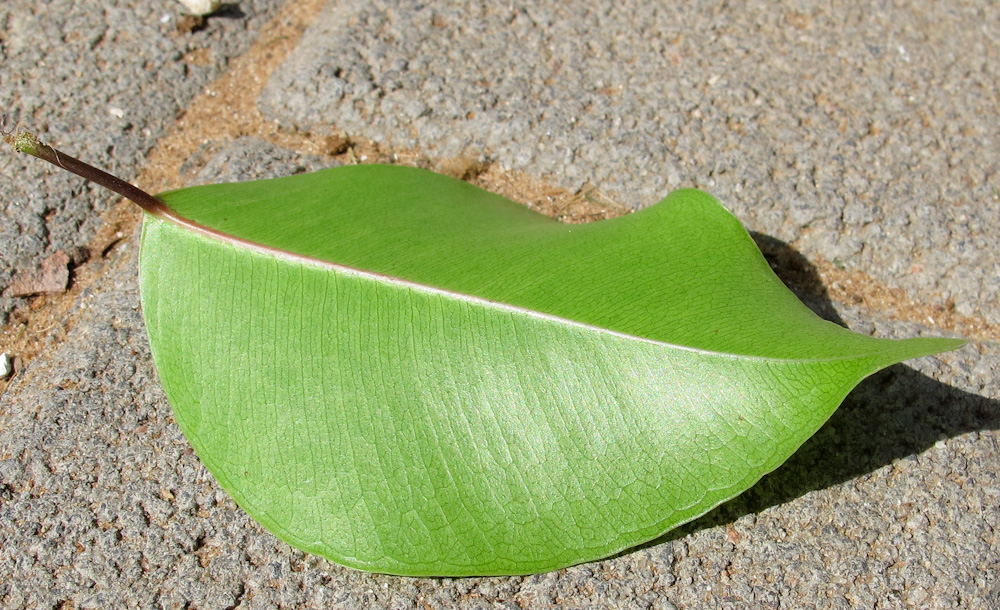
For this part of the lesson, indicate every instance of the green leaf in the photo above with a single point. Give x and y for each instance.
(403, 373)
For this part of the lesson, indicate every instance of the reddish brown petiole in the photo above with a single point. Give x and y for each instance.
(28, 143)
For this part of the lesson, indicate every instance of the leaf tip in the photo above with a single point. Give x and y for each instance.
(949, 344)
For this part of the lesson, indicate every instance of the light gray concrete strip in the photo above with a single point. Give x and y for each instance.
(863, 135)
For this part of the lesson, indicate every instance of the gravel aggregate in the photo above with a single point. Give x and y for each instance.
(857, 134)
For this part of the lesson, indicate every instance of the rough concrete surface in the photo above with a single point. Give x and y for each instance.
(861, 135)
(103, 79)
(865, 136)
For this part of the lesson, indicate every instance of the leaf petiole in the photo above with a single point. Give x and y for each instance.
(29, 143)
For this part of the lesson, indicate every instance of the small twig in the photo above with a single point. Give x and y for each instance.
(28, 143)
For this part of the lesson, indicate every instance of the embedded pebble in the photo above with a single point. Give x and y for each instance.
(6, 366)
(201, 8)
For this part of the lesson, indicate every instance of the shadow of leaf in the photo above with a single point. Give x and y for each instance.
(897, 412)
(799, 275)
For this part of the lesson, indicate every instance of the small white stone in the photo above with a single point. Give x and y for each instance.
(5, 366)
(201, 8)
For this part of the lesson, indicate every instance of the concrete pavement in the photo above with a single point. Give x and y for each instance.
(860, 141)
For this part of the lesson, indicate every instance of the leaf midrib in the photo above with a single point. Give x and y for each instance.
(168, 214)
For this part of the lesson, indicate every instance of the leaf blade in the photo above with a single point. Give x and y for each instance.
(426, 432)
